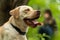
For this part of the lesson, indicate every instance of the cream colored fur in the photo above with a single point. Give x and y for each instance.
(7, 32)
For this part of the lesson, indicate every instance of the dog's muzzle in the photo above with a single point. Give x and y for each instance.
(32, 22)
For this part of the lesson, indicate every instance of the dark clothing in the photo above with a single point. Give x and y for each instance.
(50, 22)
(48, 28)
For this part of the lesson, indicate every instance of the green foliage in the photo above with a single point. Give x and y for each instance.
(42, 5)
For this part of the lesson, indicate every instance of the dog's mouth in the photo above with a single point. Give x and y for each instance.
(31, 22)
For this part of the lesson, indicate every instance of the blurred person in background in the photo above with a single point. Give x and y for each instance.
(48, 26)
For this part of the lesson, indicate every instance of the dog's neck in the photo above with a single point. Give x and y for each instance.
(19, 24)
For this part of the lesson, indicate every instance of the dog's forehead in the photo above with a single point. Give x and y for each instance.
(25, 7)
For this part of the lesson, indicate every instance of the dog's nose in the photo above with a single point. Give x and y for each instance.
(38, 12)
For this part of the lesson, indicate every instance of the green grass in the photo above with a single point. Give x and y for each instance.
(41, 5)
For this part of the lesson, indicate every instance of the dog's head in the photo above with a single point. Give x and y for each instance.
(26, 14)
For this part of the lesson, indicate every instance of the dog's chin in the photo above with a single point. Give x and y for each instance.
(31, 22)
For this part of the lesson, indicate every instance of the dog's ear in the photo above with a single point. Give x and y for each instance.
(15, 12)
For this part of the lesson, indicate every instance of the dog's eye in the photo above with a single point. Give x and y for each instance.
(27, 10)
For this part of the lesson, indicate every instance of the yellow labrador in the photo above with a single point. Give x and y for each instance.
(17, 26)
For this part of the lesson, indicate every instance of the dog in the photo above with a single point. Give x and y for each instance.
(17, 26)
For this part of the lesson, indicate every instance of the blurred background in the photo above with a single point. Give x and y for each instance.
(41, 5)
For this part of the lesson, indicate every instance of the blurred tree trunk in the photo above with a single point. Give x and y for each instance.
(6, 6)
